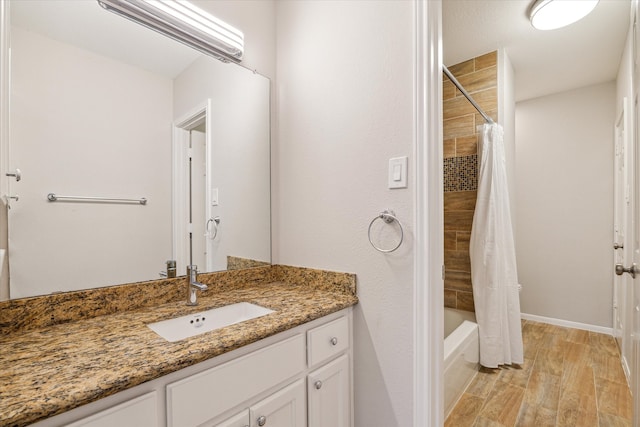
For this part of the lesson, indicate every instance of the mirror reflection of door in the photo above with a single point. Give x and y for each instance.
(200, 238)
(622, 217)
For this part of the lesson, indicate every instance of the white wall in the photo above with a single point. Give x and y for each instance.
(345, 106)
(86, 125)
(564, 155)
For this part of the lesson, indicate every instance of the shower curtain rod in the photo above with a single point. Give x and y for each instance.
(466, 94)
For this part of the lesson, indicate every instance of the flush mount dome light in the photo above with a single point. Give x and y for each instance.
(552, 14)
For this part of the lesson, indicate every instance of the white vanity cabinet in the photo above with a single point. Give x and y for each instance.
(328, 395)
(199, 398)
(300, 377)
(320, 393)
(285, 408)
(238, 420)
(140, 412)
(329, 386)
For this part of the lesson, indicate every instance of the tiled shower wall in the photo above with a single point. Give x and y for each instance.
(480, 78)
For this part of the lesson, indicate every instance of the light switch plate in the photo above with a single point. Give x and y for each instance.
(398, 172)
(214, 197)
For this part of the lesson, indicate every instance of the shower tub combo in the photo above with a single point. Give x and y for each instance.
(461, 354)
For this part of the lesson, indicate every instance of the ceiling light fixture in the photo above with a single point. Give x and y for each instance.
(552, 14)
(184, 22)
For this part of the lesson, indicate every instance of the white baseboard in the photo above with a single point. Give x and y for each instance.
(567, 323)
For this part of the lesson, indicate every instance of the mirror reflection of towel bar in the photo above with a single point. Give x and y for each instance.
(54, 198)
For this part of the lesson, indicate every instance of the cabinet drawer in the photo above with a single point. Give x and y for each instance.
(201, 397)
(327, 340)
(140, 412)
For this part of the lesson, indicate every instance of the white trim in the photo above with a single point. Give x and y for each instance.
(180, 179)
(428, 403)
(568, 323)
(5, 93)
(179, 202)
(5, 137)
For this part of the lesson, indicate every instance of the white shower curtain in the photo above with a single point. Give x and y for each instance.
(493, 259)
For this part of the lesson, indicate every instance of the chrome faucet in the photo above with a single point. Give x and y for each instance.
(194, 285)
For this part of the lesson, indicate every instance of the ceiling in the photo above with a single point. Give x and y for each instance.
(545, 62)
(84, 24)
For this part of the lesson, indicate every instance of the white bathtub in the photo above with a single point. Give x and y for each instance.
(461, 354)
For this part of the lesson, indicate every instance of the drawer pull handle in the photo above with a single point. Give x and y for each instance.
(262, 420)
(318, 385)
(334, 341)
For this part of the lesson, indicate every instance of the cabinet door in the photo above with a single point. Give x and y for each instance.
(328, 393)
(285, 408)
(139, 412)
(239, 420)
(199, 398)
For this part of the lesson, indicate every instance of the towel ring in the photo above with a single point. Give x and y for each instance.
(387, 216)
(215, 221)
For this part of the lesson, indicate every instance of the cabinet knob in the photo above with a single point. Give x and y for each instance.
(334, 341)
(262, 420)
(318, 385)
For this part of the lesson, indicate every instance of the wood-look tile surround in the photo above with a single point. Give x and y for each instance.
(570, 377)
(460, 140)
(66, 350)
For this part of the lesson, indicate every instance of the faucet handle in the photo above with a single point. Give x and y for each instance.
(192, 272)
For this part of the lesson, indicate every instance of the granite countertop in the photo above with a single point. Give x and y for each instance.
(52, 369)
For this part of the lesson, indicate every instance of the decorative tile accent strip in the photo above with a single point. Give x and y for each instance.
(450, 175)
(468, 173)
(461, 173)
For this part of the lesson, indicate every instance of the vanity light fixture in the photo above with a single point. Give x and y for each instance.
(184, 22)
(552, 14)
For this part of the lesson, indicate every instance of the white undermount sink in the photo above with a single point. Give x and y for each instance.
(182, 327)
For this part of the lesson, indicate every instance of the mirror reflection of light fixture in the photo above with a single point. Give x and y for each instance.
(184, 22)
(552, 14)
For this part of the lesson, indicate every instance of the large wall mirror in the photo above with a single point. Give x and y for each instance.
(103, 107)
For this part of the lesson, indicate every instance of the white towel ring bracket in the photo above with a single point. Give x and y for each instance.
(389, 217)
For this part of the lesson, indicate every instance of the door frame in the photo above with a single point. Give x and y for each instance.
(428, 286)
(180, 180)
(5, 95)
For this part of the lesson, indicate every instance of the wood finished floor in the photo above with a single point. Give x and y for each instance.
(570, 377)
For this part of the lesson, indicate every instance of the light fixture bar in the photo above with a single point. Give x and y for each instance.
(184, 22)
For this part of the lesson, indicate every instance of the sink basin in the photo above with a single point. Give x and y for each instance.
(179, 328)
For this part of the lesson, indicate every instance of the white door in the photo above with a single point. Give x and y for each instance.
(328, 395)
(632, 246)
(285, 408)
(623, 216)
(633, 251)
(198, 168)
